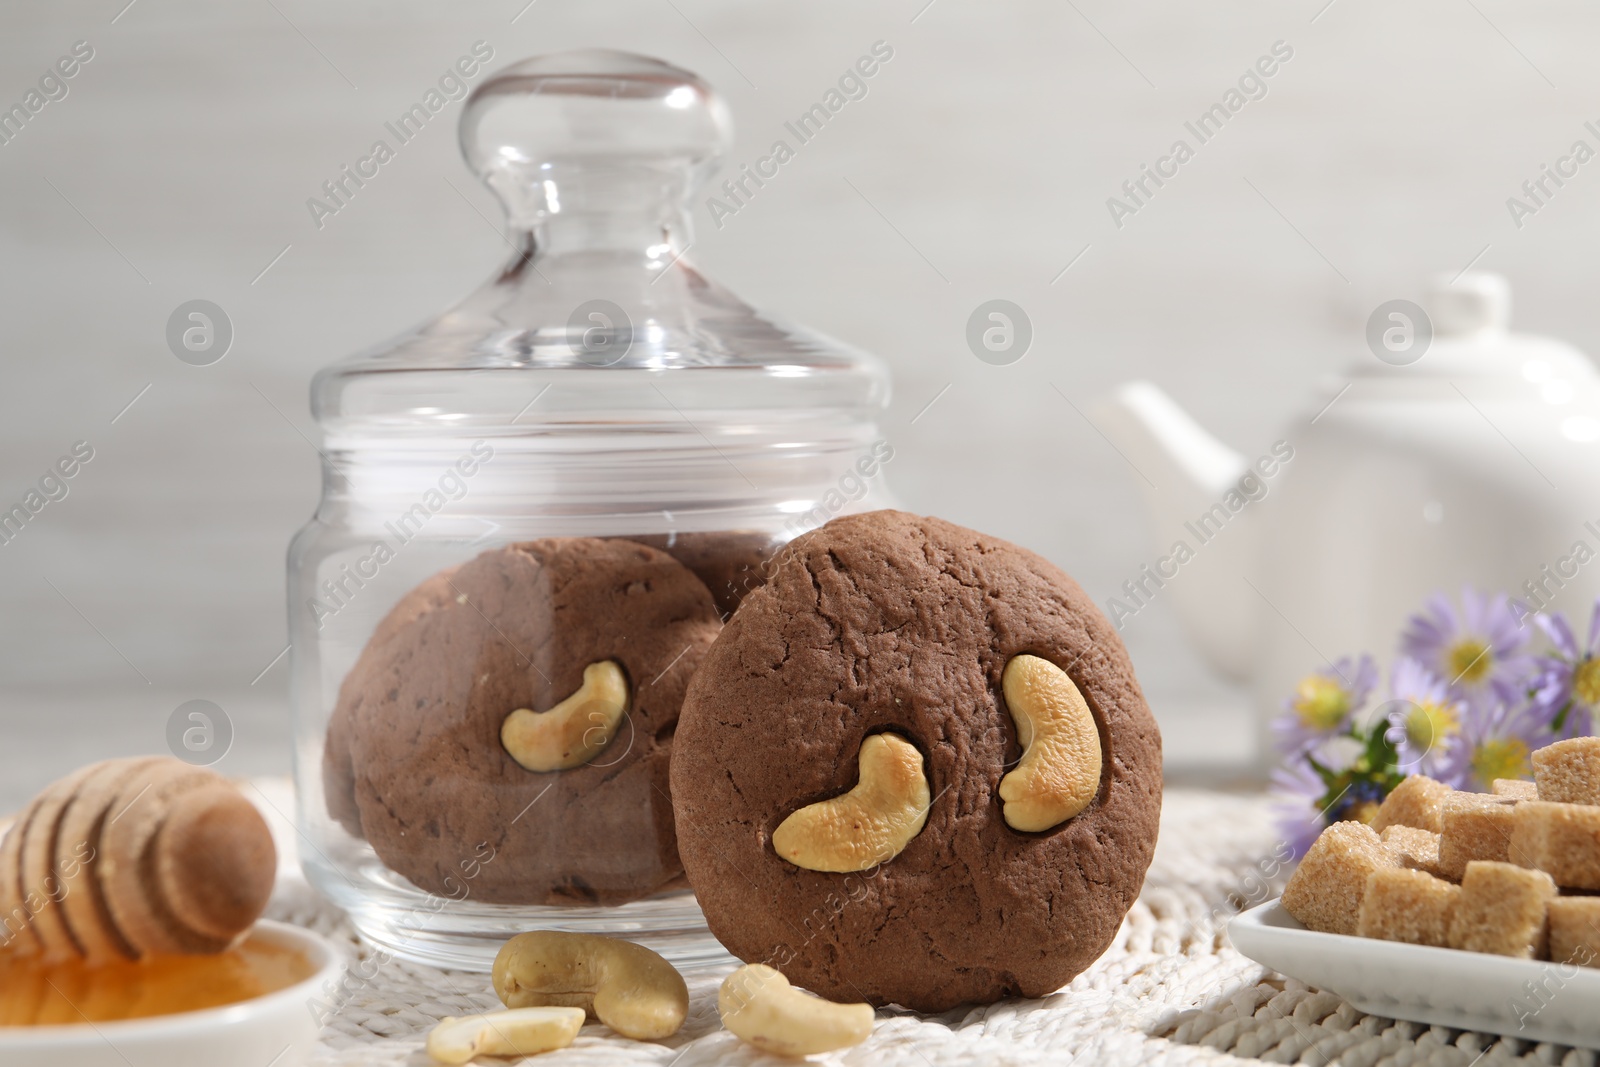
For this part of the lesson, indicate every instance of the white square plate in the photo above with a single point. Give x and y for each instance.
(1532, 999)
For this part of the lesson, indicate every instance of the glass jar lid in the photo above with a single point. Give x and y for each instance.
(599, 326)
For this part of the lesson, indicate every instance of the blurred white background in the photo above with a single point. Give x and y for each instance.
(179, 163)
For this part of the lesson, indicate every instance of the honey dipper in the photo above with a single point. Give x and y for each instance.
(130, 857)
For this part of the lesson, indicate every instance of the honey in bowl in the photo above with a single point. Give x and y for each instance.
(34, 993)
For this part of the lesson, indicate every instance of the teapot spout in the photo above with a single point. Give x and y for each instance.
(1184, 472)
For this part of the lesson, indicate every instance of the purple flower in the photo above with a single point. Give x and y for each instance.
(1324, 704)
(1478, 651)
(1296, 789)
(1424, 720)
(1495, 741)
(1566, 689)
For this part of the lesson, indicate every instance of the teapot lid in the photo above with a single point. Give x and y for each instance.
(1464, 333)
(1470, 303)
(596, 156)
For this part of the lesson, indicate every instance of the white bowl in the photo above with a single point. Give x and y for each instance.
(275, 1030)
(1532, 999)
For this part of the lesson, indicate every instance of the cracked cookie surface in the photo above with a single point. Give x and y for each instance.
(892, 622)
(414, 760)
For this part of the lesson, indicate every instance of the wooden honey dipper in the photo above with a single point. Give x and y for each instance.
(133, 857)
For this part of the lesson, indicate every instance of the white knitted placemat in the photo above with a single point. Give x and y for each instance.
(1169, 990)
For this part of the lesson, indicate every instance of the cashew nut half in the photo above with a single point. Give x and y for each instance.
(523, 1032)
(758, 1003)
(626, 986)
(867, 826)
(574, 731)
(1059, 773)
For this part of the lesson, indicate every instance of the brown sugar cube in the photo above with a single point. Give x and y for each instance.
(1501, 910)
(1326, 889)
(1575, 930)
(1409, 906)
(1515, 789)
(1416, 801)
(1560, 839)
(1473, 826)
(1568, 772)
(1414, 849)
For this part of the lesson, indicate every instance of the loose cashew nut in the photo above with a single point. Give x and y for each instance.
(1060, 768)
(523, 1032)
(759, 1004)
(574, 731)
(626, 986)
(867, 826)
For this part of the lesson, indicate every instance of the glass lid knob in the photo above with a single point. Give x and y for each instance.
(594, 132)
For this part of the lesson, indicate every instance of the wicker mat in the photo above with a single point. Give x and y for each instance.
(1169, 990)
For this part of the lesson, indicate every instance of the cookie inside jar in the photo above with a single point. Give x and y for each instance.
(417, 760)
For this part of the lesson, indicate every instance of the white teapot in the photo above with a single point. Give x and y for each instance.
(1476, 462)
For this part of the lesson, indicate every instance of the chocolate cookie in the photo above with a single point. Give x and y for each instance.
(731, 563)
(900, 627)
(338, 776)
(415, 755)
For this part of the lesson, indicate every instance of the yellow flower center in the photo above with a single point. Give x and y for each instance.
(1365, 811)
(1586, 681)
(1469, 659)
(1320, 702)
(1428, 724)
(1506, 758)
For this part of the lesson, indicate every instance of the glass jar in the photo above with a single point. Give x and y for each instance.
(538, 509)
